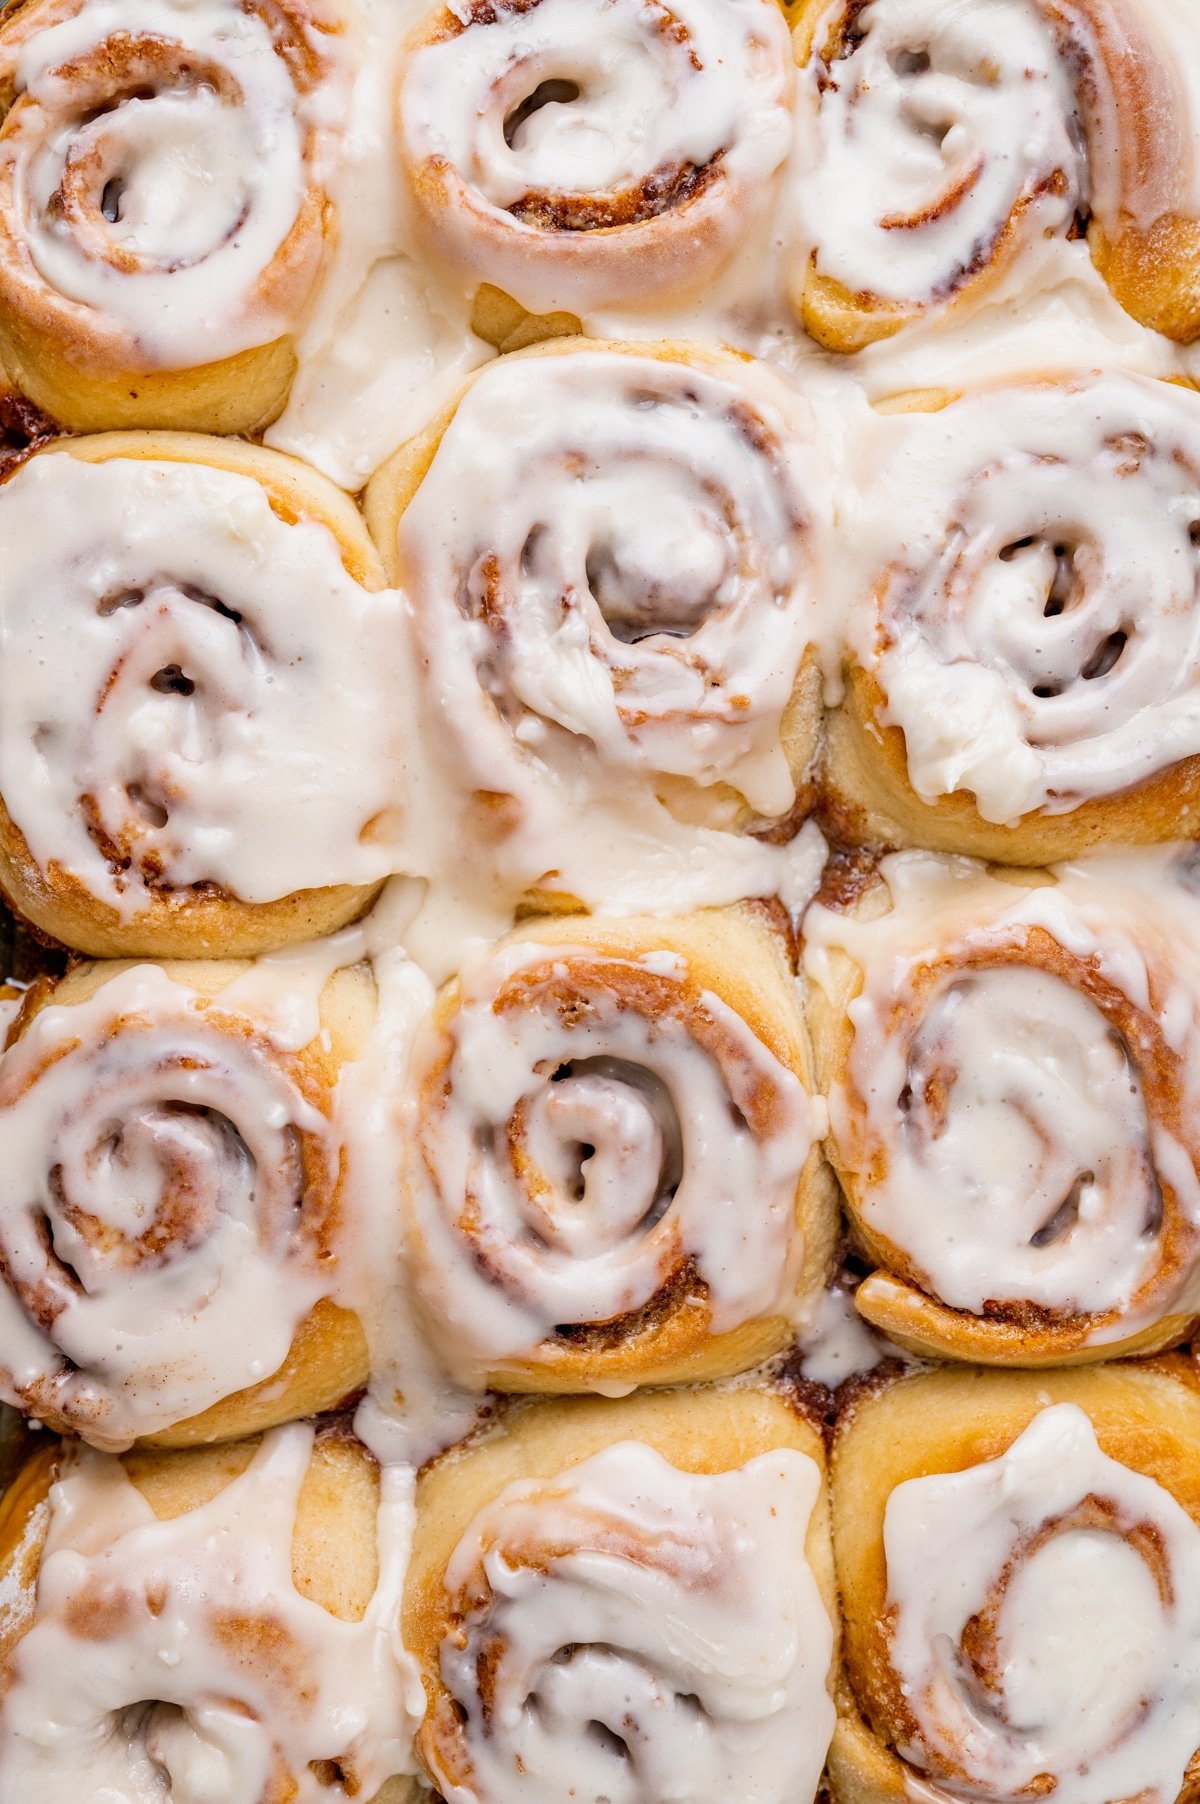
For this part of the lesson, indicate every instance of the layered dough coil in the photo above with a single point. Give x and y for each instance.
(577, 160)
(942, 142)
(227, 1617)
(1018, 1560)
(614, 1177)
(190, 760)
(627, 1601)
(1013, 1070)
(164, 214)
(175, 1206)
(633, 598)
(1023, 673)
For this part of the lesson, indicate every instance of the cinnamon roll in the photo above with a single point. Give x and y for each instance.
(945, 140)
(175, 1224)
(627, 1601)
(1013, 1074)
(164, 214)
(577, 159)
(614, 1178)
(195, 749)
(630, 597)
(1023, 678)
(1018, 1561)
(212, 1625)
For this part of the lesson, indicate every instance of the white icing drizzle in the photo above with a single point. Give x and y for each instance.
(839, 1344)
(578, 159)
(643, 578)
(161, 155)
(1038, 627)
(581, 1129)
(185, 678)
(1045, 1622)
(412, 1409)
(1002, 1135)
(168, 1206)
(386, 343)
(174, 1697)
(651, 1634)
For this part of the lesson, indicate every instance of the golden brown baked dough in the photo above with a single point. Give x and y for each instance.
(889, 1741)
(186, 920)
(674, 1054)
(1117, 166)
(83, 300)
(707, 633)
(334, 1564)
(1022, 684)
(1011, 1114)
(185, 1151)
(702, 1431)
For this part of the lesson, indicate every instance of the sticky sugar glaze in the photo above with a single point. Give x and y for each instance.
(630, 1629)
(590, 1131)
(198, 1670)
(579, 160)
(185, 678)
(1036, 635)
(161, 171)
(173, 1202)
(1012, 1586)
(1013, 1109)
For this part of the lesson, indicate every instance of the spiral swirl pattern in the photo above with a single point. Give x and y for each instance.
(170, 1206)
(1013, 1118)
(161, 171)
(579, 160)
(198, 1670)
(188, 668)
(944, 139)
(638, 1629)
(593, 1132)
(1038, 634)
(1009, 1586)
(642, 580)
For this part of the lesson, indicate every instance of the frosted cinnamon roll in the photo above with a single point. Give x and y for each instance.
(632, 592)
(1023, 675)
(164, 214)
(202, 1626)
(945, 140)
(1013, 1074)
(614, 1177)
(626, 1600)
(175, 1224)
(195, 748)
(579, 159)
(1018, 1561)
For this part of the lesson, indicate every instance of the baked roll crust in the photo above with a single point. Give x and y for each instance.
(1028, 1544)
(649, 1546)
(1022, 679)
(1011, 1068)
(945, 142)
(614, 1176)
(190, 627)
(225, 1616)
(176, 1214)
